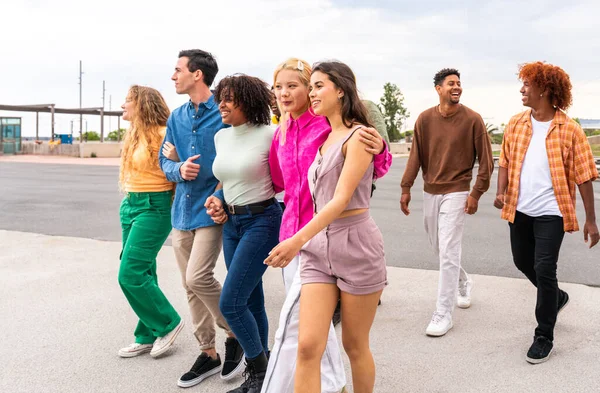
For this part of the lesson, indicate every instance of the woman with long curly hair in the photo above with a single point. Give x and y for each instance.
(146, 222)
(544, 155)
(253, 215)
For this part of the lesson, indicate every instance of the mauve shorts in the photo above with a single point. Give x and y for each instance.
(348, 253)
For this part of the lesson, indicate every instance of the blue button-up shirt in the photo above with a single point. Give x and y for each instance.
(192, 132)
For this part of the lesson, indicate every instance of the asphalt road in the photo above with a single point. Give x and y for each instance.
(83, 201)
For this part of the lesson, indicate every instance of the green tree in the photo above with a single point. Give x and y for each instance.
(114, 135)
(393, 109)
(491, 128)
(494, 137)
(91, 136)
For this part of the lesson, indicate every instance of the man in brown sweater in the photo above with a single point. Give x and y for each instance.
(447, 140)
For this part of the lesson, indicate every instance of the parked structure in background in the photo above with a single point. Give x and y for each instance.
(10, 135)
(52, 109)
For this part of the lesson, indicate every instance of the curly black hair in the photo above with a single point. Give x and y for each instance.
(250, 93)
(438, 79)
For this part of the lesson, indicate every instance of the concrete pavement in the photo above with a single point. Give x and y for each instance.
(63, 318)
(83, 201)
(49, 159)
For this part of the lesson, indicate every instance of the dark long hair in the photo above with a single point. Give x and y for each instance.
(353, 110)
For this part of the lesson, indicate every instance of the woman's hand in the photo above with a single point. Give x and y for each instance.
(283, 253)
(373, 141)
(214, 208)
(170, 152)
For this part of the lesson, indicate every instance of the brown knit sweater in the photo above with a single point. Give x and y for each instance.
(446, 148)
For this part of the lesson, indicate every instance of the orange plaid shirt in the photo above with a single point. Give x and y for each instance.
(569, 157)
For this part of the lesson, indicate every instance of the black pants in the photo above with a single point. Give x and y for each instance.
(535, 244)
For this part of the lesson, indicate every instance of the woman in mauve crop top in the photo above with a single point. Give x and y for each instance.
(325, 172)
(334, 95)
(293, 150)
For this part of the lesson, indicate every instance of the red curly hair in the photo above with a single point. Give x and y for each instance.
(551, 78)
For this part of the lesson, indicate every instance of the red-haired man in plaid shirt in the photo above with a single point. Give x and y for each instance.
(544, 155)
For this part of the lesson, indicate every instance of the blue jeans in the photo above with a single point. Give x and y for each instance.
(247, 240)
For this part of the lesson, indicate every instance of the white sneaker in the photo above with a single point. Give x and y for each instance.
(439, 325)
(463, 300)
(134, 350)
(162, 344)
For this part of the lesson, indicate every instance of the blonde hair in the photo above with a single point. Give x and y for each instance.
(304, 71)
(146, 127)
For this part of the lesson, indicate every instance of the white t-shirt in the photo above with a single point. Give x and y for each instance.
(536, 193)
(242, 163)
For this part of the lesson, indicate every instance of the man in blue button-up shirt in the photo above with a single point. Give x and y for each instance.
(196, 239)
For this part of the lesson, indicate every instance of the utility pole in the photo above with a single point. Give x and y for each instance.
(109, 109)
(52, 114)
(80, 105)
(102, 112)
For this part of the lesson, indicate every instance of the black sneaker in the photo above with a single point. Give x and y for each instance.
(254, 375)
(234, 356)
(563, 300)
(540, 350)
(203, 367)
(337, 314)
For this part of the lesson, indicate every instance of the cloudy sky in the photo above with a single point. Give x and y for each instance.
(129, 42)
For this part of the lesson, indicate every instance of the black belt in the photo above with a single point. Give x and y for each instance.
(254, 208)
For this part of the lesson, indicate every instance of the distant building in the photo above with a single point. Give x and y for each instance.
(10, 135)
(590, 124)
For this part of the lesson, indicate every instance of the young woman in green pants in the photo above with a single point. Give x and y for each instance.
(146, 222)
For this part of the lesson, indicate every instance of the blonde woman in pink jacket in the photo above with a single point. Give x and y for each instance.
(293, 150)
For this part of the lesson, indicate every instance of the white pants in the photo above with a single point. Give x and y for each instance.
(289, 272)
(444, 219)
(282, 363)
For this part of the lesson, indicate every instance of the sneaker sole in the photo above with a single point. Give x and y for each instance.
(236, 371)
(438, 334)
(164, 349)
(463, 306)
(196, 381)
(134, 354)
(538, 361)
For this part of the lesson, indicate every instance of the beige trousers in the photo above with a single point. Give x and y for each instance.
(197, 252)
